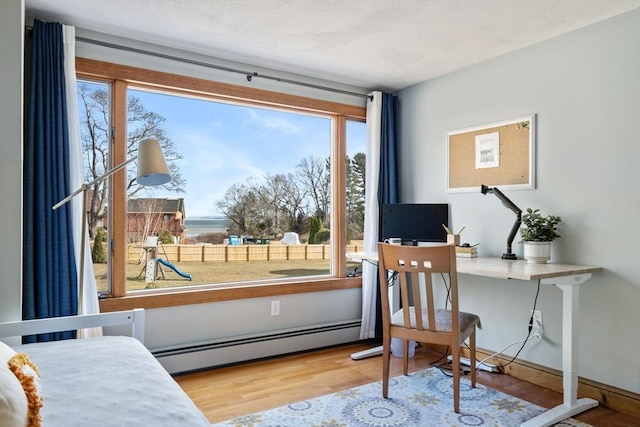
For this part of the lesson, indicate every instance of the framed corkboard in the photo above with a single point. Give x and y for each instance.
(495, 154)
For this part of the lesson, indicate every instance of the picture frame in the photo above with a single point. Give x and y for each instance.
(501, 154)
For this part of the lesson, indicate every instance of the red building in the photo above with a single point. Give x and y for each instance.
(151, 216)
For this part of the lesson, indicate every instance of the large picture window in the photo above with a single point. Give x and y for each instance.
(263, 193)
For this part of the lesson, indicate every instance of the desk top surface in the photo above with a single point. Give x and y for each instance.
(503, 269)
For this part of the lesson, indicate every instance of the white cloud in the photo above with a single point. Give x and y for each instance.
(270, 121)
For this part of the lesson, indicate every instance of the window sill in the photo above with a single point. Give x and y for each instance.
(177, 296)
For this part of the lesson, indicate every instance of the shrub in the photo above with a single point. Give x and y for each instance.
(322, 236)
(165, 237)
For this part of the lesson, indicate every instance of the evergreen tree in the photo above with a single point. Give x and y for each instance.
(98, 254)
(315, 224)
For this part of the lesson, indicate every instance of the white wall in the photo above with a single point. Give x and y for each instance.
(584, 88)
(11, 104)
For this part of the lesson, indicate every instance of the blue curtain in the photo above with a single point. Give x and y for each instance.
(388, 181)
(388, 178)
(49, 270)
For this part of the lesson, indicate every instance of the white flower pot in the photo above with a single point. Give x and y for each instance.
(537, 252)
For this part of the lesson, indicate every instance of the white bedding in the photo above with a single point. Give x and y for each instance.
(108, 381)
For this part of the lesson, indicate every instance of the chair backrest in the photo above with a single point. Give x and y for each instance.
(414, 267)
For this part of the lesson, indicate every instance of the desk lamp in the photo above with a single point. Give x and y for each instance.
(509, 204)
(152, 170)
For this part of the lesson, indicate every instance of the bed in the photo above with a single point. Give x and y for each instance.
(102, 381)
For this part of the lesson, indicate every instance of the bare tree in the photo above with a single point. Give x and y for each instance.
(94, 122)
(239, 204)
(293, 204)
(272, 195)
(281, 202)
(315, 178)
(94, 112)
(143, 124)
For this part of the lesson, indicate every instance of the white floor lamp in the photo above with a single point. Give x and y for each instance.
(152, 171)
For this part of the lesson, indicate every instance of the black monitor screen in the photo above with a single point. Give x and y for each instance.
(415, 222)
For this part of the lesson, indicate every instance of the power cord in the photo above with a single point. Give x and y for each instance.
(447, 299)
(529, 337)
(524, 341)
(446, 366)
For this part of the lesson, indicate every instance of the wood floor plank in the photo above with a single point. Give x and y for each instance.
(227, 392)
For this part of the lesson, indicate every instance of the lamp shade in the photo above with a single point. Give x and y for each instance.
(152, 167)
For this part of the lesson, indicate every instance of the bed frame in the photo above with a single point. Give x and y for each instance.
(134, 317)
(118, 372)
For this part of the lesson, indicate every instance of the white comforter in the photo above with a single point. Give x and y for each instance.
(108, 381)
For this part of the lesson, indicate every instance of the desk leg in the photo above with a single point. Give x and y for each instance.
(570, 310)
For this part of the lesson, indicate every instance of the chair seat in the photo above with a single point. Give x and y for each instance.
(443, 319)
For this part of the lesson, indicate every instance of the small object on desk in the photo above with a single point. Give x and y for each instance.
(453, 239)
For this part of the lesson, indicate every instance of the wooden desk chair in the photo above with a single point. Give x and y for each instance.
(414, 265)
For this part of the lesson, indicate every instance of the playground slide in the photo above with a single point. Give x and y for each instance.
(174, 268)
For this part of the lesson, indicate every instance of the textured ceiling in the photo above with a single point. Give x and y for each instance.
(374, 44)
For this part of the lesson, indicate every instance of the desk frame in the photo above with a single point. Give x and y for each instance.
(565, 277)
(569, 285)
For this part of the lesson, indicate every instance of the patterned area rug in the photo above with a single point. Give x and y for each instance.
(423, 398)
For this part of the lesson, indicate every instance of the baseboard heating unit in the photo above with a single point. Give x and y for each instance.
(256, 346)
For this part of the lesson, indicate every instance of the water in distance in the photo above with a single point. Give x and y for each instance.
(203, 225)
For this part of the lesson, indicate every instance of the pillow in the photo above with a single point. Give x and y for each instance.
(29, 377)
(6, 353)
(14, 409)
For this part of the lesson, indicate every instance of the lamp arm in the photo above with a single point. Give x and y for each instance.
(516, 225)
(512, 206)
(111, 172)
(86, 185)
(514, 230)
(505, 201)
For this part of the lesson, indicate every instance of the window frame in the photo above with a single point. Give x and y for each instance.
(120, 77)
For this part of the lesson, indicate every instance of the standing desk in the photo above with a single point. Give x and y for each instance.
(566, 277)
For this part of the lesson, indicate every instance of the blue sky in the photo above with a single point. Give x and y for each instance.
(225, 144)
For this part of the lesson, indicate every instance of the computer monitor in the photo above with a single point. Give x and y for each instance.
(415, 222)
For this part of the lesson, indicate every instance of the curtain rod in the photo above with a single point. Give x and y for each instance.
(249, 74)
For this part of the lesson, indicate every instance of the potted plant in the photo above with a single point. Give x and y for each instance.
(537, 232)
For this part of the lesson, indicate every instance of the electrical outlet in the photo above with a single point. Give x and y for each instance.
(275, 307)
(537, 320)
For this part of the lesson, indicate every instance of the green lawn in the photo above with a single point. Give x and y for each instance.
(204, 273)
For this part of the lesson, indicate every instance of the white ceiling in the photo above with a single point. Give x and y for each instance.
(374, 44)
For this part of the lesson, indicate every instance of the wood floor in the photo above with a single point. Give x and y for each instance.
(228, 392)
